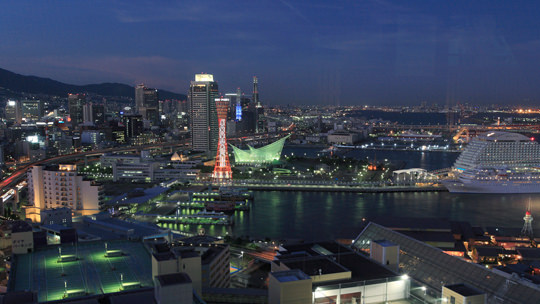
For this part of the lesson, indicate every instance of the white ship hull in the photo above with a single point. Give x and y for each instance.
(495, 187)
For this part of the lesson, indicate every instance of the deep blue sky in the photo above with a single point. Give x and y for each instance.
(304, 52)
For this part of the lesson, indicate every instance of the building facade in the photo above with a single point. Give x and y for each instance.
(13, 111)
(60, 186)
(76, 103)
(32, 109)
(147, 103)
(204, 122)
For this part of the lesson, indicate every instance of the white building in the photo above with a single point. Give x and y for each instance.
(342, 137)
(60, 186)
(146, 168)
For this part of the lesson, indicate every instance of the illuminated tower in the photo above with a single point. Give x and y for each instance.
(259, 110)
(222, 171)
(527, 225)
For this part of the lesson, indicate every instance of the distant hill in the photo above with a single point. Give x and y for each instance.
(38, 85)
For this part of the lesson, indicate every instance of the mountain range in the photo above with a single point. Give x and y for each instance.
(39, 85)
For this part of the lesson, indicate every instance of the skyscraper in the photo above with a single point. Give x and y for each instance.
(139, 97)
(147, 103)
(87, 114)
(13, 111)
(75, 104)
(204, 121)
(98, 114)
(133, 126)
(32, 109)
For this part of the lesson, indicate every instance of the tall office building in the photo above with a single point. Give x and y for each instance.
(133, 126)
(204, 121)
(32, 109)
(98, 114)
(147, 103)
(76, 103)
(139, 96)
(13, 111)
(87, 114)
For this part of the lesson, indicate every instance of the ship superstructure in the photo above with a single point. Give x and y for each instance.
(497, 162)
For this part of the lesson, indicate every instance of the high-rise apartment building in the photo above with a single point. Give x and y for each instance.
(76, 103)
(32, 109)
(203, 115)
(61, 186)
(13, 111)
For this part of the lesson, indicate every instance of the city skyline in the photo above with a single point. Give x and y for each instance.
(369, 52)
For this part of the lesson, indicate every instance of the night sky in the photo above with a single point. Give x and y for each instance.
(304, 52)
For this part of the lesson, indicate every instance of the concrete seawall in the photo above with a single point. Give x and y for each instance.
(342, 188)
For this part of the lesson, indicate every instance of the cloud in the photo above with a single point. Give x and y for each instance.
(149, 11)
(192, 11)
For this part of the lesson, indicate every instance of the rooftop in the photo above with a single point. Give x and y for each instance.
(20, 226)
(414, 224)
(384, 243)
(334, 258)
(290, 275)
(173, 279)
(464, 290)
(314, 266)
(502, 136)
(92, 272)
(433, 268)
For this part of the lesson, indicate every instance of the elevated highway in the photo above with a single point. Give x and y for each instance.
(20, 174)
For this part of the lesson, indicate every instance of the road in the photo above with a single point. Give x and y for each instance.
(18, 175)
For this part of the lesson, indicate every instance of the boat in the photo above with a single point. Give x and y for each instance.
(497, 162)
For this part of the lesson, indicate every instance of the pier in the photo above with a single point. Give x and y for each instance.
(201, 218)
(327, 186)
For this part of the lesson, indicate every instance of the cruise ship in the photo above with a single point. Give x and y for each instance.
(497, 162)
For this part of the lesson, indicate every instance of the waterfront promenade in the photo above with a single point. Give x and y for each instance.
(327, 186)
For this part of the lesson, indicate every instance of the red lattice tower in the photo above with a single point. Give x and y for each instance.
(222, 171)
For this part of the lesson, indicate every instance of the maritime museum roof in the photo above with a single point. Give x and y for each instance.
(263, 155)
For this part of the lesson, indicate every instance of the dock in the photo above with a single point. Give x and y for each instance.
(337, 188)
(200, 218)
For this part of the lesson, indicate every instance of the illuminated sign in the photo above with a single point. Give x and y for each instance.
(33, 139)
(12, 103)
(204, 77)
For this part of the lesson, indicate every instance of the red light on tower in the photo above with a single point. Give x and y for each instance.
(222, 171)
(532, 138)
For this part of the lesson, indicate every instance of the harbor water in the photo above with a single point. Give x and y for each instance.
(330, 215)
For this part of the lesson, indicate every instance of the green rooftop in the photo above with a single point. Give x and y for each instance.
(263, 155)
(90, 273)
